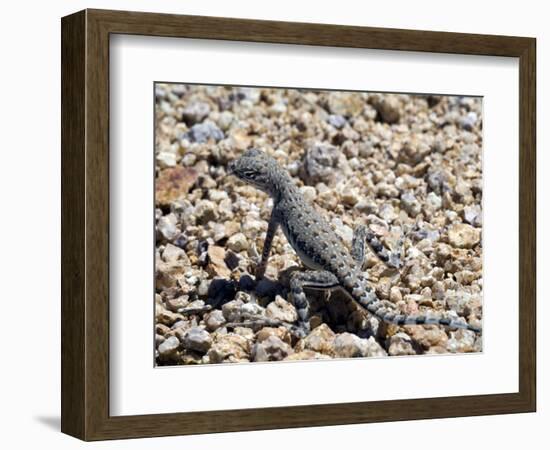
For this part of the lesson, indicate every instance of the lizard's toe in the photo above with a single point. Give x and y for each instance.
(301, 330)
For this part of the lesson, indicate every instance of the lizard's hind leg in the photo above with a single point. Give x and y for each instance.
(362, 236)
(358, 244)
(314, 279)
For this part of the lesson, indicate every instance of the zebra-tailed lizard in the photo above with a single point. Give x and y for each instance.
(331, 264)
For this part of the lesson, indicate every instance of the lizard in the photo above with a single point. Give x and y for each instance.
(329, 262)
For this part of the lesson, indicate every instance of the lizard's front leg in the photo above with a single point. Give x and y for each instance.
(271, 230)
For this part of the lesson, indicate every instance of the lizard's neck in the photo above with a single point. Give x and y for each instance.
(281, 186)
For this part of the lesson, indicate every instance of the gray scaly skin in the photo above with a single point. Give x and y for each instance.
(320, 249)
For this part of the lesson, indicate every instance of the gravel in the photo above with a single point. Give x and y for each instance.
(403, 165)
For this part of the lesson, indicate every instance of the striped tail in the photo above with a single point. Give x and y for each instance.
(389, 316)
(367, 298)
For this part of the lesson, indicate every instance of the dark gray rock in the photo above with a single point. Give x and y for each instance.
(337, 121)
(169, 347)
(203, 132)
(197, 339)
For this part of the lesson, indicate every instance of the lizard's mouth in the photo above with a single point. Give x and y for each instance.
(231, 168)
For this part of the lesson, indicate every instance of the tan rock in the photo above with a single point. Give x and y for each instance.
(388, 107)
(172, 253)
(428, 336)
(232, 310)
(280, 309)
(229, 348)
(214, 320)
(174, 304)
(374, 349)
(245, 332)
(206, 211)
(231, 228)
(166, 317)
(281, 332)
(173, 183)
(167, 275)
(271, 349)
(347, 345)
(400, 344)
(462, 341)
(306, 355)
(237, 242)
(346, 104)
(216, 262)
(395, 294)
(462, 235)
(320, 340)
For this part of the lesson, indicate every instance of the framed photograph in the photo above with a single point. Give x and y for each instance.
(272, 225)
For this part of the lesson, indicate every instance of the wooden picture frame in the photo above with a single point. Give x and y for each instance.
(85, 224)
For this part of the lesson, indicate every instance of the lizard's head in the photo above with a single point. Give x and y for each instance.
(256, 168)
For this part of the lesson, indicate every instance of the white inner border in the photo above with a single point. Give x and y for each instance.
(136, 387)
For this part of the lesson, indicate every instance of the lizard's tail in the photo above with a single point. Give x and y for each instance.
(360, 290)
(387, 315)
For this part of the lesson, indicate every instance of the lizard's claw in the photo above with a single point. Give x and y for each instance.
(301, 330)
(256, 259)
(260, 272)
(395, 261)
